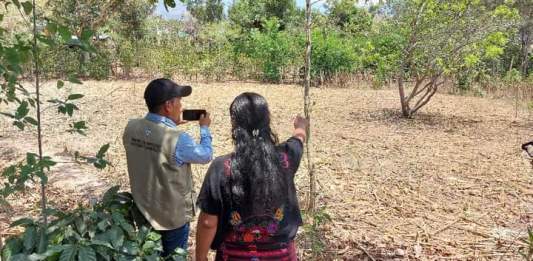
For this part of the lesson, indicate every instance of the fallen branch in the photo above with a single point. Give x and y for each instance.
(364, 250)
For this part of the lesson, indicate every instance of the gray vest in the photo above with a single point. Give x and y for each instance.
(161, 190)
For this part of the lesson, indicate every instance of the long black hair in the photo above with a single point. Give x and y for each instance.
(257, 183)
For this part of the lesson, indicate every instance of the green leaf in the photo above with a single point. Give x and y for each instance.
(60, 84)
(28, 7)
(28, 238)
(154, 236)
(102, 225)
(79, 125)
(36, 257)
(13, 246)
(102, 254)
(75, 96)
(101, 163)
(53, 250)
(31, 158)
(152, 257)
(32, 102)
(86, 35)
(149, 246)
(57, 236)
(12, 55)
(22, 110)
(86, 254)
(119, 219)
(55, 101)
(62, 109)
(110, 194)
(7, 114)
(16, 3)
(46, 162)
(64, 32)
(97, 242)
(42, 176)
(81, 226)
(69, 253)
(22, 222)
(74, 79)
(31, 120)
(9, 171)
(19, 257)
(130, 248)
(69, 108)
(102, 151)
(51, 27)
(19, 125)
(117, 236)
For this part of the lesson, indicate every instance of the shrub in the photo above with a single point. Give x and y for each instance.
(331, 54)
(112, 229)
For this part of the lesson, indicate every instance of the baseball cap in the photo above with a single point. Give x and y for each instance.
(161, 90)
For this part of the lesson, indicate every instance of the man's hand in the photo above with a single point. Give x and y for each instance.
(205, 120)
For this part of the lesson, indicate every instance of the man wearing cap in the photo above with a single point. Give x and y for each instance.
(159, 158)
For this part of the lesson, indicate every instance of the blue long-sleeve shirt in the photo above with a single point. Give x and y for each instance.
(187, 150)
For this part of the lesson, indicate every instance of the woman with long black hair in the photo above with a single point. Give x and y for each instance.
(249, 208)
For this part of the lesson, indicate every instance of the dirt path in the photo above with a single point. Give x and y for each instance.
(451, 183)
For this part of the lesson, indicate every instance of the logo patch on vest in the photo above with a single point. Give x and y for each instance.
(147, 132)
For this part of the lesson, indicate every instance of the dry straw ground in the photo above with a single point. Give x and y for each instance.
(450, 184)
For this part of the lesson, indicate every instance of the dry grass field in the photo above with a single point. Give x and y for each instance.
(451, 183)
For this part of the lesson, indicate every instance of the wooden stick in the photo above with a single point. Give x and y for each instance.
(364, 250)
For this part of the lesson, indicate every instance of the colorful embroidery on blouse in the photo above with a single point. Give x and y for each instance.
(256, 228)
(235, 218)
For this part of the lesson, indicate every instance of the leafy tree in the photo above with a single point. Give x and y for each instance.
(525, 31)
(83, 15)
(206, 11)
(131, 16)
(348, 17)
(440, 37)
(249, 14)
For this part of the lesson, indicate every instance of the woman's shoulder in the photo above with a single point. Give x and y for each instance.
(221, 159)
(291, 153)
(219, 164)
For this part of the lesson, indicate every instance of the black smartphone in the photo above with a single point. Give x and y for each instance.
(192, 115)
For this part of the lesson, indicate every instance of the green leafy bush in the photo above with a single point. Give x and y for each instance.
(331, 54)
(272, 49)
(112, 229)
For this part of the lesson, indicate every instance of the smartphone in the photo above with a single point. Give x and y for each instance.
(192, 115)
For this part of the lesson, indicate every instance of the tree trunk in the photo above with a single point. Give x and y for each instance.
(307, 104)
(403, 101)
(525, 39)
